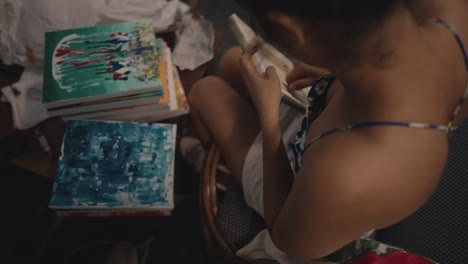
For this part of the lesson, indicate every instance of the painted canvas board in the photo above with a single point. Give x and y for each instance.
(109, 165)
(100, 62)
(125, 101)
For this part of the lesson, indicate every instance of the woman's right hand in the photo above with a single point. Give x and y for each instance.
(303, 75)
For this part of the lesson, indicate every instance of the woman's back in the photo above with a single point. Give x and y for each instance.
(438, 230)
(420, 80)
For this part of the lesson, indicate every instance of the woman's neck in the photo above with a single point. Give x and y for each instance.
(373, 86)
(383, 53)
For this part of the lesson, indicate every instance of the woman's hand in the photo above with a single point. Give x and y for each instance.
(264, 89)
(303, 75)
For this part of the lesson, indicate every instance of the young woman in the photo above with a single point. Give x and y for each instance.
(388, 89)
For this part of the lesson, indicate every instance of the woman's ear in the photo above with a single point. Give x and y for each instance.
(292, 28)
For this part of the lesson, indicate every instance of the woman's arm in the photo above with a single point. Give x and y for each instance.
(354, 182)
(277, 175)
(265, 92)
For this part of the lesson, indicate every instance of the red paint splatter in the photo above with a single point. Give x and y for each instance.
(112, 35)
(62, 52)
(120, 33)
(77, 65)
(392, 258)
(116, 76)
(60, 62)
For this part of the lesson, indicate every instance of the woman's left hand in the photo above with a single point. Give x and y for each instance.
(264, 89)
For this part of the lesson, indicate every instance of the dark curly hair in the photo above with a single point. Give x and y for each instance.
(340, 24)
(331, 10)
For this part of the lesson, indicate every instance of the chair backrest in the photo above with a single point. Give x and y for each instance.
(236, 221)
(439, 230)
(227, 218)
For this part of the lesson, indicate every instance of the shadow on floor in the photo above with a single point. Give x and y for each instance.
(32, 233)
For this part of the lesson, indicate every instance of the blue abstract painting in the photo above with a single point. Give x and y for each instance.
(108, 165)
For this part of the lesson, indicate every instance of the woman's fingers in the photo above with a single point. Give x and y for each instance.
(247, 69)
(304, 71)
(301, 84)
(270, 74)
(295, 74)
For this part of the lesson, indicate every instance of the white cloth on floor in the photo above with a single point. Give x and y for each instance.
(164, 13)
(194, 42)
(24, 22)
(25, 98)
(9, 14)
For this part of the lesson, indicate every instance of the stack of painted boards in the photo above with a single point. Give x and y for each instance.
(110, 83)
(110, 168)
(111, 72)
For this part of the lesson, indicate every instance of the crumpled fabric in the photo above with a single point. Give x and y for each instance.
(9, 13)
(163, 13)
(194, 42)
(25, 98)
(24, 22)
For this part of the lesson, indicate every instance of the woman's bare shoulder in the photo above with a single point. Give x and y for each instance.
(435, 8)
(452, 11)
(402, 166)
(354, 182)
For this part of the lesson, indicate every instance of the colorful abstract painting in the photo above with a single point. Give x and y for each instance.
(100, 60)
(110, 165)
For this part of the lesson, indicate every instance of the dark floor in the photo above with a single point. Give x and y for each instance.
(30, 233)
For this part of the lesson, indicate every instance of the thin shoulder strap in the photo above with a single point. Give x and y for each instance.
(456, 35)
(465, 56)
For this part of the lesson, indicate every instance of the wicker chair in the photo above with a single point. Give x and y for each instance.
(227, 220)
(209, 199)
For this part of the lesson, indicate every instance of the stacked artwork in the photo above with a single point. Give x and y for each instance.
(115, 168)
(109, 71)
